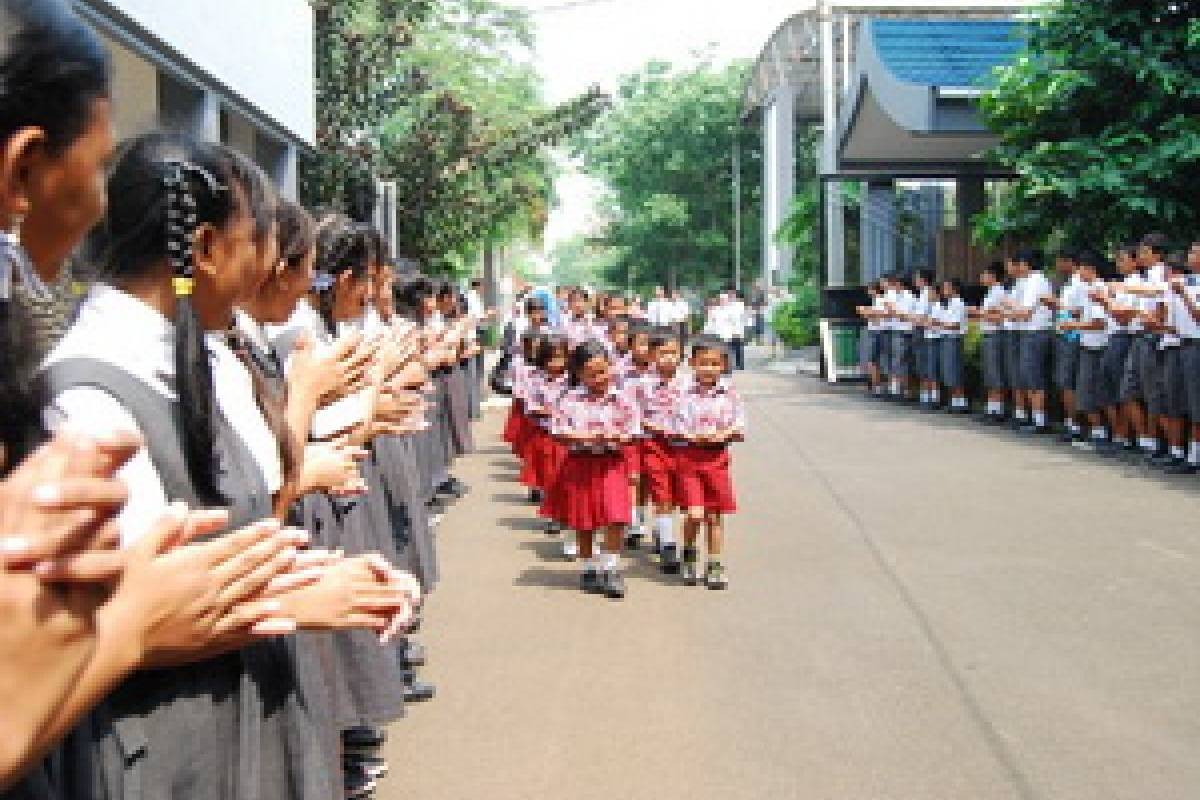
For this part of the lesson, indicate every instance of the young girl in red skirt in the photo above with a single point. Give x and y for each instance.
(545, 389)
(658, 396)
(591, 492)
(709, 417)
(640, 369)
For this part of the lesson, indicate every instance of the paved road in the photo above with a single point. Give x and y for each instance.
(920, 609)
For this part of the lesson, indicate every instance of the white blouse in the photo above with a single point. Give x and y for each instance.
(118, 329)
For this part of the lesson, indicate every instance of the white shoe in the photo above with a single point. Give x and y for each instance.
(570, 548)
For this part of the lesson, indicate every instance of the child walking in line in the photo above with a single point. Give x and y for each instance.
(640, 367)
(658, 396)
(710, 416)
(593, 422)
(524, 370)
(546, 386)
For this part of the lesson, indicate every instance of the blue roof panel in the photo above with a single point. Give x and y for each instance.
(955, 54)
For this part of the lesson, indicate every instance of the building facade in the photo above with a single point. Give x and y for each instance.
(240, 72)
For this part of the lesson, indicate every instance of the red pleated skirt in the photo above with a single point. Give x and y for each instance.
(512, 425)
(590, 492)
(544, 457)
(632, 453)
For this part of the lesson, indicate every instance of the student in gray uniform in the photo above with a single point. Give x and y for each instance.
(925, 339)
(1187, 296)
(870, 345)
(1066, 341)
(1142, 389)
(1120, 310)
(994, 344)
(1094, 389)
(952, 323)
(1012, 340)
(1036, 321)
(900, 302)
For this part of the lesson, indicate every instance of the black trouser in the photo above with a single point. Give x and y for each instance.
(738, 345)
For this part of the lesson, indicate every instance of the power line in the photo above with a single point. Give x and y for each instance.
(568, 6)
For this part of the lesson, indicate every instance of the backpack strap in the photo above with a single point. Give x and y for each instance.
(157, 417)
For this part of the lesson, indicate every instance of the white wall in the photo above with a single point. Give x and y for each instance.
(260, 49)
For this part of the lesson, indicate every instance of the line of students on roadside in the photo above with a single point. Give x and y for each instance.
(219, 485)
(1115, 348)
(615, 438)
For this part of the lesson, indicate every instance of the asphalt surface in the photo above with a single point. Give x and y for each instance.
(920, 609)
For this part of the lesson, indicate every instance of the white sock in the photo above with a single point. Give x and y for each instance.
(1075, 428)
(1147, 443)
(1194, 453)
(666, 528)
(591, 564)
(1019, 413)
(1122, 440)
(995, 408)
(934, 395)
(1099, 432)
(924, 395)
(635, 521)
(610, 562)
(1177, 452)
(960, 402)
(1039, 418)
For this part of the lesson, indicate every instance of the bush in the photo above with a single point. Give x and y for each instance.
(795, 322)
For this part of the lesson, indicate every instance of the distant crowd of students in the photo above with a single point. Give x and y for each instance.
(1112, 353)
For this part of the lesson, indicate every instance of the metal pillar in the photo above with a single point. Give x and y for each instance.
(779, 184)
(835, 260)
(209, 122)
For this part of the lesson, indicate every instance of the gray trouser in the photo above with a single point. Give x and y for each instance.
(993, 352)
(1093, 385)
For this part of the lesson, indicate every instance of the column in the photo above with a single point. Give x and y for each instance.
(289, 172)
(208, 123)
(779, 183)
(835, 233)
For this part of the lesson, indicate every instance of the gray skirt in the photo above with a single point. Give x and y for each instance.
(1012, 361)
(1035, 360)
(929, 358)
(461, 440)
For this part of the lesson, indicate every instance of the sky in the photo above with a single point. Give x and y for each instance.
(584, 42)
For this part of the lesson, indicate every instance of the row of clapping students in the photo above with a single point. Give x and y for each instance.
(215, 515)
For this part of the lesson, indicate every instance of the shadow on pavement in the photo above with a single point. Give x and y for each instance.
(510, 497)
(546, 578)
(522, 523)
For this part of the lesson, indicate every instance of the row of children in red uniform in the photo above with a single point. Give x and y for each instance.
(610, 429)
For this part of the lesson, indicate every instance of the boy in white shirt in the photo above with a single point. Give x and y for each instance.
(993, 348)
(1186, 293)
(1036, 325)
(1094, 389)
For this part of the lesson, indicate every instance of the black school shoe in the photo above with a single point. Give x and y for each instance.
(1033, 430)
(453, 487)
(415, 690)
(535, 496)
(714, 577)
(670, 559)
(690, 569)
(369, 765)
(412, 654)
(591, 582)
(357, 784)
(613, 585)
(633, 541)
(364, 737)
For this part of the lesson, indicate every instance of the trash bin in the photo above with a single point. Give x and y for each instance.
(839, 343)
(845, 345)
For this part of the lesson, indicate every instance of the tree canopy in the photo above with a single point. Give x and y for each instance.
(666, 153)
(437, 96)
(1100, 122)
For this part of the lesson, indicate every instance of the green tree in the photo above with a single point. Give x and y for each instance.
(582, 260)
(1100, 121)
(666, 153)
